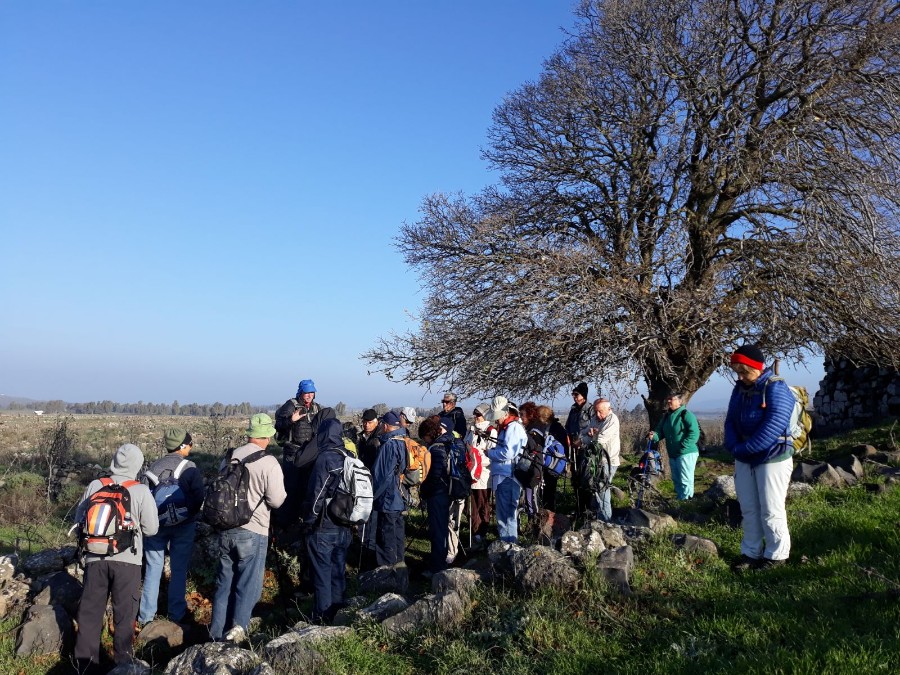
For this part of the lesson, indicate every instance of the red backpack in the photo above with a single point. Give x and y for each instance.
(108, 526)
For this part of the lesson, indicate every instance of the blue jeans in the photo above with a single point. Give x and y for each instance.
(683, 474)
(179, 539)
(239, 580)
(604, 503)
(507, 498)
(328, 558)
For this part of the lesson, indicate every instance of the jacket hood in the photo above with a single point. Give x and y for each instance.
(127, 461)
(385, 437)
(330, 435)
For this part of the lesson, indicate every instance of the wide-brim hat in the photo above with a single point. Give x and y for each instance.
(260, 426)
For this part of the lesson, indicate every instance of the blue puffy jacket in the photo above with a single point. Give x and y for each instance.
(756, 426)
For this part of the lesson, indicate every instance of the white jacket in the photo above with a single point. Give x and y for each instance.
(481, 445)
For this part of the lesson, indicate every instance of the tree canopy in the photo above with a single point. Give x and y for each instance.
(685, 176)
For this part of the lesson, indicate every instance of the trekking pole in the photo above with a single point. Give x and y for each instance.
(470, 519)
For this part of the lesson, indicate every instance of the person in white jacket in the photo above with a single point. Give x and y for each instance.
(482, 436)
(605, 428)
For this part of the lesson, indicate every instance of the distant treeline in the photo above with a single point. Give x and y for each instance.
(141, 408)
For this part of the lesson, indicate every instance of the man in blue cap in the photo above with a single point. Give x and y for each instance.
(390, 540)
(296, 422)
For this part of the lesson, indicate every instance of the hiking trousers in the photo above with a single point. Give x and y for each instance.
(103, 578)
(682, 468)
(762, 491)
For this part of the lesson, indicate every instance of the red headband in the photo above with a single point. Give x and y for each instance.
(747, 361)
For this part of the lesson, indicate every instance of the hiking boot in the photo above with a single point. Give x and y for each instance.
(237, 635)
(767, 564)
(745, 563)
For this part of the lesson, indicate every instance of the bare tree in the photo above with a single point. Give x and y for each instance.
(685, 175)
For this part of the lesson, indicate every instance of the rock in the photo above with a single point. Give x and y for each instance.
(656, 522)
(14, 595)
(694, 544)
(136, 667)
(846, 476)
(850, 464)
(616, 565)
(581, 544)
(47, 629)
(721, 489)
(60, 589)
(51, 560)
(617, 494)
(213, 658)
(444, 609)
(890, 458)
(455, 579)
(161, 633)
(611, 534)
(551, 526)
(294, 651)
(499, 553)
(387, 579)
(539, 567)
(262, 669)
(8, 564)
(386, 606)
(76, 571)
(798, 489)
(816, 473)
(865, 451)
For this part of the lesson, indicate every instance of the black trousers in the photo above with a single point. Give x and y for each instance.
(101, 578)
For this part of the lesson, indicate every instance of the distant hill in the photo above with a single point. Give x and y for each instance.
(6, 400)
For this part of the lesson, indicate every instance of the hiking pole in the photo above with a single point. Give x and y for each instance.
(470, 519)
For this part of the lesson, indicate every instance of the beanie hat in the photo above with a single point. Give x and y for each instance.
(176, 438)
(749, 355)
(260, 426)
(581, 388)
(306, 387)
(391, 419)
(482, 409)
(410, 414)
(369, 415)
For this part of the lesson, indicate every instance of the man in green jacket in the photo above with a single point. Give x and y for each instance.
(681, 431)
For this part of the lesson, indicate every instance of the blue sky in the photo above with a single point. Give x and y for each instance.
(198, 199)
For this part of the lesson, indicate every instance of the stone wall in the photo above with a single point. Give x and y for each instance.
(852, 396)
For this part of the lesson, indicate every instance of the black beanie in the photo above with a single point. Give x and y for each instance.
(749, 355)
(581, 388)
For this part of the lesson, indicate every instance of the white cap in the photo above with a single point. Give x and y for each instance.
(409, 413)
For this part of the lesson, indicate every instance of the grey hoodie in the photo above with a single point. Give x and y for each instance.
(125, 465)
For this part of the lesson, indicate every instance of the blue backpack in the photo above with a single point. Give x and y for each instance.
(171, 502)
(554, 456)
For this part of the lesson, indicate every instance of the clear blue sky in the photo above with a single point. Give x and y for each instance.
(198, 200)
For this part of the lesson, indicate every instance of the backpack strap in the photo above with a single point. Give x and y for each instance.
(180, 468)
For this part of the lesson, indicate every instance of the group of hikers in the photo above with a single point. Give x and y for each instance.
(505, 458)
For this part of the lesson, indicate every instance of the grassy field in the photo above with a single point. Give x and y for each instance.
(834, 609)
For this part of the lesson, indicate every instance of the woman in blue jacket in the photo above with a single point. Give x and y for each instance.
(756, 433)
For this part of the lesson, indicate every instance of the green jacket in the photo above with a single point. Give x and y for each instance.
(681, 431)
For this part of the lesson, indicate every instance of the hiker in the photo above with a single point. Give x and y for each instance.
(605, 429)
(327, 542)
(551, 479)
(577, 422)
(178, 524)
(481, 436)
(454, 414)
(408, 418)
(116, 573)
(368, 445)
(390, 538)
(759, 414)
(532, 477)
(296, 422)
(511, 441)
(681, 431)
(242, 550)
(437, 433)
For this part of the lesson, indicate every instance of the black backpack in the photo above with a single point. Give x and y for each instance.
(226, 506)
(458, 474)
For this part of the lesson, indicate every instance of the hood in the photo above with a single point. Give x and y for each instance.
(385, 437)
(445, 438)
(330, 435)
(128, 461)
